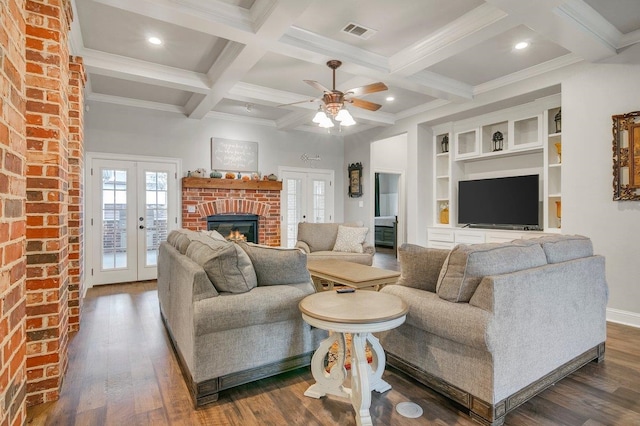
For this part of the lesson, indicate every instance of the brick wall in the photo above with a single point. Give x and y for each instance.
(264, 203)
(12, 214)
(47, 113)
(77, 81)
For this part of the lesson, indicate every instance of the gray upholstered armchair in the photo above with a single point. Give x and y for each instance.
(321, 241)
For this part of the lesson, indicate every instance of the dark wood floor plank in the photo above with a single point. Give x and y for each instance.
(122, 371)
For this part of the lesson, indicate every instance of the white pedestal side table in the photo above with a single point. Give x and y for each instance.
(359, 313)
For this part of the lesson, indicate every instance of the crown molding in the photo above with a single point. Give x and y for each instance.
(438, 103)
(531, 72)
(240, 118)
(446, 86)
(217, 11)
(591, 22)
(415, 57)
(629, 39)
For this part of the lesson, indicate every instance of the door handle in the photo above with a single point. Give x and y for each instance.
(141, 226)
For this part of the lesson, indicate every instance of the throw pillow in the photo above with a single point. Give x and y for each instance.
(276, 266)
(214, 234)
(468, 264)
(228, 267)
(420, 266)
(350, 239)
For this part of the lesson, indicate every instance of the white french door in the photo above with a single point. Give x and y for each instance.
(133, 206)
(307, 196)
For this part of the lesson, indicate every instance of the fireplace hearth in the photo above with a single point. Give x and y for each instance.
(231, 226)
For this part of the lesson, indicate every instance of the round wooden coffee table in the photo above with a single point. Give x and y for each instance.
(359, 313)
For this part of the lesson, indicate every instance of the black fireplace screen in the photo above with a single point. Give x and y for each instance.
(228, 224)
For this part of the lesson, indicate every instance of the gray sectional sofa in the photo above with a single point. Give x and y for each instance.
(318, 241)
(231, 310)
(491, 325)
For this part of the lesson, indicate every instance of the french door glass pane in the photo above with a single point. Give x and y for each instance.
(319, 201)
(294, 210)
(114, 219)
(156, 211)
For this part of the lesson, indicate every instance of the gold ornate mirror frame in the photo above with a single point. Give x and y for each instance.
(626, 156)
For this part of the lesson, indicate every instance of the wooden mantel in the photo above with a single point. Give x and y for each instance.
(196, 182)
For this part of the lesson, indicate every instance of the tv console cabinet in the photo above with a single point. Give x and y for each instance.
(447, 238)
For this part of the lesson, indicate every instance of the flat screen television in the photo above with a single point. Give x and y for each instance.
(511, 201)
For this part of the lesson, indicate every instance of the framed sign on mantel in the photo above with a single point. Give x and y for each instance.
(234, 155)
(355, 180)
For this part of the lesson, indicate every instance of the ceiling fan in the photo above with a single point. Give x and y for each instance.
(334, 100)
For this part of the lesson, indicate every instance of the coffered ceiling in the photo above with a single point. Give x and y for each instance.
(240, 59)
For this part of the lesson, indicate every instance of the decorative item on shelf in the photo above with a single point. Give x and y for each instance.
(246, 178)
(355, 180)
(215, 174)
(559, 212)
(265, 177)
(558, 120)
(229, 175)
(559, 151)
(272, 177)
(444, 144)
(255, 176)
(444, 213)
(498, 141)
(238, 175)
(199, 173)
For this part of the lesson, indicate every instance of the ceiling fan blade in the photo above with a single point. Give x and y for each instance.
(360, 103)
(317, 85)
(296, 103)
(369, 88)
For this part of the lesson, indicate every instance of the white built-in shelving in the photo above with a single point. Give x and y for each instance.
(529, 147)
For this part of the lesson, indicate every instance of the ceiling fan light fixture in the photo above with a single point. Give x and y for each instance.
(348, 122)
(343, 115)
(327, 124)
(320, 117)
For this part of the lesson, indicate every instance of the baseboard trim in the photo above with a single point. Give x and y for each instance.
(623, 317)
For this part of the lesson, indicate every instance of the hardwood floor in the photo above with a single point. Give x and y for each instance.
(122, 371)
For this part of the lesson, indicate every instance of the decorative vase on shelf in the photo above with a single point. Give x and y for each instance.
(444, 213)
(559, 212)
(559, 151)
(215, 174)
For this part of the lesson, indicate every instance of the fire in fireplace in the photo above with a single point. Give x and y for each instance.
(235, 227)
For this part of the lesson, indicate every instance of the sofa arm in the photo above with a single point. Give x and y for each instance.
(303, 246)
(368, 248)
(563, 303)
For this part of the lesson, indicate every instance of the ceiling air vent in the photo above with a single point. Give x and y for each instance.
(358, 31)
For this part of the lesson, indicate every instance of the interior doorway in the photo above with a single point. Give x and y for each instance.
(386, 209)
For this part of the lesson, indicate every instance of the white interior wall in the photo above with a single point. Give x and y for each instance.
(589, 99)
(127, 130)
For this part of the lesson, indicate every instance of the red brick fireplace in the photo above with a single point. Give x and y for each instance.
(227, 196)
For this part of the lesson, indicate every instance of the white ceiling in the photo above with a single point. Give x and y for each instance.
(240, 59)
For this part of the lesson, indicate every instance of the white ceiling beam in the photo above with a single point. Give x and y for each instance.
(275, 22)
(117, 66)
(480, 24)
(563, 23)
(137, 103)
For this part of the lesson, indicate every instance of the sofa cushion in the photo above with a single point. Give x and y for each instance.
(561, 248)
(182, 243)
(420, 267)
(363, 258)
(214, 234)
(228, 267)
(276, 266)
(466, 265)
(350, 239)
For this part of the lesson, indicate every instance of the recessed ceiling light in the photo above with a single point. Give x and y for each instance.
(390, 99)
(155, 40)
(521, 45)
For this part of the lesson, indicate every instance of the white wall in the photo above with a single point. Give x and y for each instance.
(127, 130)
(589, 99)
